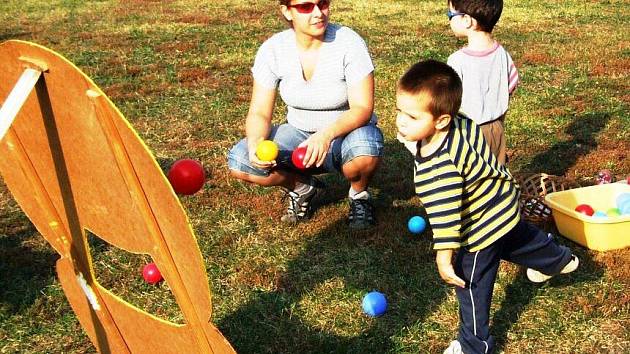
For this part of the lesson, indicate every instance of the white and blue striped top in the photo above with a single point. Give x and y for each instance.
(314, 104)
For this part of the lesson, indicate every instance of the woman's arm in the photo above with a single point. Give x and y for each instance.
(258, 122)
(361, 102)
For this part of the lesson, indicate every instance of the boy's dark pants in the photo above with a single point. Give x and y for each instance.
(525, 245)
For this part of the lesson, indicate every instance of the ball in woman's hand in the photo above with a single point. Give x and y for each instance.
(297, 157)
(267, 150)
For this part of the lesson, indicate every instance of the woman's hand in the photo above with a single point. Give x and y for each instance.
(317, 146)
(446, 270)
(255, 161)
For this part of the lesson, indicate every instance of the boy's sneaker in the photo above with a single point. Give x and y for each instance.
(361, 212)
(454, 348)
(538, 277)
(299, 205)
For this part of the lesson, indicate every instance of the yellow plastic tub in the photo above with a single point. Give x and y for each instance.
(600, 234)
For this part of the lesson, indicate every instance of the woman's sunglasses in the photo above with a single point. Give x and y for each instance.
(308, 7)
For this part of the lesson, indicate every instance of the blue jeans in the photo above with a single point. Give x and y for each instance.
(363, 141)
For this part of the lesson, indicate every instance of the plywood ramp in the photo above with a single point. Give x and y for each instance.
(74, 163)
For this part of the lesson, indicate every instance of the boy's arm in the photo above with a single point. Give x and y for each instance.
(440, 185)
(513, 78)
(442, 200)
(444, 262)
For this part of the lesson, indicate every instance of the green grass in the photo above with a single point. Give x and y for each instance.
(179, 71)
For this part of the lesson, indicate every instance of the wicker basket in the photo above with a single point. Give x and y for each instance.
(534, 188)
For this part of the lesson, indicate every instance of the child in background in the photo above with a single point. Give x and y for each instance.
(486, 69)
(471, 201)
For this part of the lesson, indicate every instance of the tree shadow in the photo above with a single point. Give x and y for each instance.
(14, 34)
(562, 155)
(24, 270)
(521, 292)
(385, 259)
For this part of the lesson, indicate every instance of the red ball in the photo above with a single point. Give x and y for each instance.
(297, 157)
(186, 176)
(151, 274)
(585, 209)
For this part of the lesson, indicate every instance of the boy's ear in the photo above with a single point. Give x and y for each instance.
(443, 121)
(470, 21)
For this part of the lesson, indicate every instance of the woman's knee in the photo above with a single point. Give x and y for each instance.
(365, 143)
(363, 164)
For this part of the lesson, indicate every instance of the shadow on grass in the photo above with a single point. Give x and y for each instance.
(521, 292)
(387, 259)
(563, 155)
(14, 34)
(399, 266)
(24, 271)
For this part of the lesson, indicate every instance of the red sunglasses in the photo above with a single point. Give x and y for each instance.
(308, 7)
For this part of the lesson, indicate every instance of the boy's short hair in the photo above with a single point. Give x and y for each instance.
(439, 81)
(486, 12)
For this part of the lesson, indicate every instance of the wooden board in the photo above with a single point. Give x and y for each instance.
(74, 163)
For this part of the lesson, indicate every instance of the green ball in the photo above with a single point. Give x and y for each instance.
(613, 212)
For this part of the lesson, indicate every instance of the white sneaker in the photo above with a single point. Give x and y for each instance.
(538, 277)
(299, 205)
(454, 348)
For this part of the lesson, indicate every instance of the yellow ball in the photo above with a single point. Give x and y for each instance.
(267, 150)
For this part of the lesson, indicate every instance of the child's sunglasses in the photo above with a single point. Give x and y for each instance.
(452, 14)
(308, 7)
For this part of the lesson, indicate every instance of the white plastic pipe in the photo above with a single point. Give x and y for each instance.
(12, 105)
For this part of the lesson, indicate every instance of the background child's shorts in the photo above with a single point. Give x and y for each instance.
(494, 133)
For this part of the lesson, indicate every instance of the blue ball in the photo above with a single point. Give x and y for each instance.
(416, 224)
(600, 214)
(374, 304)
(622, 200)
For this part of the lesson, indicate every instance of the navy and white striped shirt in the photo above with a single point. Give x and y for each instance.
(471, 200)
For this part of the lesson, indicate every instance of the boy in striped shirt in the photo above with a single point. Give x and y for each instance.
(471, 201)
(486, 69)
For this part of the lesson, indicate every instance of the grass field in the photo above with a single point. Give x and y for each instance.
(179, 72)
